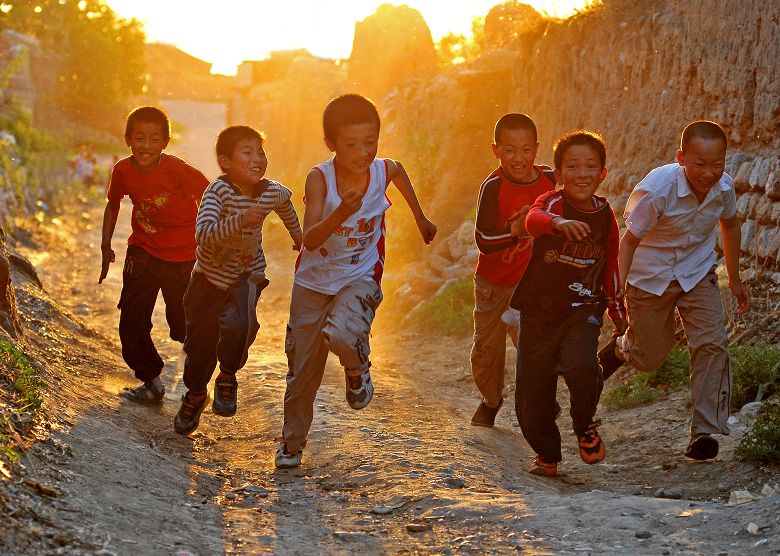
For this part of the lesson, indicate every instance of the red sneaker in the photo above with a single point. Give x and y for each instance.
(592, 449)
(543, 468)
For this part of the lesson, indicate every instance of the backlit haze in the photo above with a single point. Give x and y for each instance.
(227, 32)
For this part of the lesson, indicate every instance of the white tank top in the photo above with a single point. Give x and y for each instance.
(357, 247)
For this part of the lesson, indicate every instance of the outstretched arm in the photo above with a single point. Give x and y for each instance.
(110, 216)
(396, 173)
(317, 227)
(730, 229)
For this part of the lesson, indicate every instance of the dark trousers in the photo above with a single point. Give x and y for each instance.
(142, 279)
(221, 326)
(545, 351)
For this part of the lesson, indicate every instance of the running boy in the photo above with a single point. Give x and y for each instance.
(504, 250)
(229, 275)
(336, 290)
(667, 260)
(570, 279)
(165, 192)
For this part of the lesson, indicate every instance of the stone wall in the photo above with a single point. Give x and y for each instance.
(635, 71)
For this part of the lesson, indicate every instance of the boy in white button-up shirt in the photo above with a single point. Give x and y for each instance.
(667, 259)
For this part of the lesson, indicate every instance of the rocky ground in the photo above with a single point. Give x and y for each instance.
(408, 474)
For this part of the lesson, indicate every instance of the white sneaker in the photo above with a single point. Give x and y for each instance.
(359, 397)
(286, 460)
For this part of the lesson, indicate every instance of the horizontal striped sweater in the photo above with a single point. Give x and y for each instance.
(226, 250)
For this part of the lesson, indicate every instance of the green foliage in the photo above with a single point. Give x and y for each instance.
(450, 312)
(102, 55)
(455, 48)
(674, 372)
(761, 444)
(632, 393)
(754, 369)
(20, 396)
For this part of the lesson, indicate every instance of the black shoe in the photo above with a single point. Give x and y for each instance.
(145, 394)
(485, 416)
(225, 397)
(608, 361)
(701, 447)
(188, 417)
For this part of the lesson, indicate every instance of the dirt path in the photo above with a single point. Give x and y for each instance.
(130, 485)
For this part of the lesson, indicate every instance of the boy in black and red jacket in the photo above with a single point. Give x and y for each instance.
(571, 279)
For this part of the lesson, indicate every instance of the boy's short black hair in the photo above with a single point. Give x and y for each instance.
(702, 129)
(593, 139)
(148, 114)
(229, 137)
(348, 109)
(513, 121)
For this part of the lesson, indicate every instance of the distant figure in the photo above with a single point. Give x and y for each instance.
(165, 192)
(667, 260)
(85, 166)
(221, 300)
(570, 280)
(336, 291)
(504, 249)
(114, 160)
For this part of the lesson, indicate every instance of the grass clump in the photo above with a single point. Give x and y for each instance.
(632, 393)
(21, 387)
(450, 312)
(761, 444)
(755, 375)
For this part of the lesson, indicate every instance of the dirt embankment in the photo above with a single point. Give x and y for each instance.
(406, 475)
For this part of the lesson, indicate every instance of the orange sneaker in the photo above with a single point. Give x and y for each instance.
(543, 468)
(592, 449)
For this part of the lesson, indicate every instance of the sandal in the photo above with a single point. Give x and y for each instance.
(145, 394)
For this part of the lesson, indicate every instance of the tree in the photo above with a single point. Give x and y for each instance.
(101, 56)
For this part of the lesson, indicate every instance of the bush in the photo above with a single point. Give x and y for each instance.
(762, 444)
(450, 312)
(755, 370)
(20, 397)
(632, 393)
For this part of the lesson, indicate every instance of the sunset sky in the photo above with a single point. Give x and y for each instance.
(229, 31)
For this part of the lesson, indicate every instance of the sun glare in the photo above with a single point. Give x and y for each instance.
(325, 28)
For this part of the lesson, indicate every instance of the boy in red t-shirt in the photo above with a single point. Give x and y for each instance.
(165, 192)
(504, 250)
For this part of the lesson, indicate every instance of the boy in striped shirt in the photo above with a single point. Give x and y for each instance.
(229, 273)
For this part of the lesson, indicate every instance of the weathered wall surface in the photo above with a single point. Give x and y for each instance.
(635, 71)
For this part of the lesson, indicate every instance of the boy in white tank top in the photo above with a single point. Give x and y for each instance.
(337, 280)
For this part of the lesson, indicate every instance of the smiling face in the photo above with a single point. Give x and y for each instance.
(146, 141)
(356, 146)
(581, 174)
(516, 150)
(704, 161)
(247, 165)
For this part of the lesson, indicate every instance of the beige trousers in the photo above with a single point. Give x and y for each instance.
(321, 323)
(650, 337)
(488, 354)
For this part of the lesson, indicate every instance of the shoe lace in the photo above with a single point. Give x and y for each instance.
(226, 390)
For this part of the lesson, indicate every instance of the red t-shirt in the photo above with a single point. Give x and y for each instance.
(503, 258)
(164, 205)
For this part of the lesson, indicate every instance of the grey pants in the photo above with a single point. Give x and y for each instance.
(650, 337)
(488, 353)
(321, 323)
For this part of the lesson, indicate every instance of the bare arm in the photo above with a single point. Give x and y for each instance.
(316, 228)
(730, 229)
(110, 216)
(398, 176)
(628, 244)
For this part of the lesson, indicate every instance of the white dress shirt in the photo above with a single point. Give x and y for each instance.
(677, 233)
